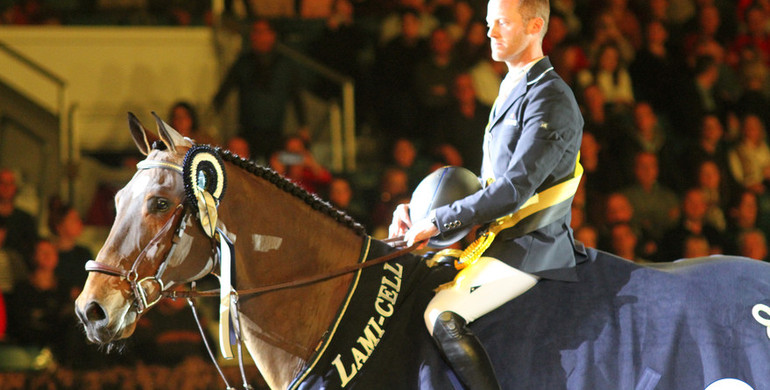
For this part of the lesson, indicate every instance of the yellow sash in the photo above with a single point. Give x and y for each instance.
(540, 201)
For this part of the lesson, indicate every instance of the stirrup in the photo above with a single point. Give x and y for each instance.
(464, 352)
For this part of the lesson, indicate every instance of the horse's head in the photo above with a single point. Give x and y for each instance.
(152, 235)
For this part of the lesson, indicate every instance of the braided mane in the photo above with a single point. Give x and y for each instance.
(291, 188)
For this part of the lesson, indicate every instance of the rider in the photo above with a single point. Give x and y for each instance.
(531, 143)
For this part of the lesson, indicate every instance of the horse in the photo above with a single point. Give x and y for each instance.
(623, 325)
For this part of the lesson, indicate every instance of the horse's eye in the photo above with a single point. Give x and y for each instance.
(158, 205)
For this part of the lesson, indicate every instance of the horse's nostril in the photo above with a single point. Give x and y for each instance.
(95, 313)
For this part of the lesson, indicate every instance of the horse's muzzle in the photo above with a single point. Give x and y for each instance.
(96, 322)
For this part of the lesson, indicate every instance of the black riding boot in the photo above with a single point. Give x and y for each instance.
(464, 352)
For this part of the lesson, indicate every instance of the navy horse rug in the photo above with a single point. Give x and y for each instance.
(683, 325)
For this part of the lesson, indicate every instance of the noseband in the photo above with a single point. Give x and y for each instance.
(175, 224)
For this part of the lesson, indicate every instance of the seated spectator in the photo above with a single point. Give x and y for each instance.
(626, 20)
(65, 224)
(296, 162)
(697, 96)
(692, 222)
(708, 29)
(462, 127)
(696, 246)
(434, 77)
(607, 32)
(653, 66)
(463, 16)
(13, 269)
(403, 155)
(184, 118)
(597, 120)
(750, 159)
(611, 75)
(392, 24)
(577, 217)
(756, 34)
(598, 179)
(487, 76)
(648, 134)
(394, 190)
(21, 226)
(340, 195)
(753, 244)
(588, 235)
(618, 210)
(39, 308)
(473, 47)
(743, 215)
(754, 99)
(564, 50)
(710, 145)
(656, 208)
(624, 242)
(709, 181)
(239, 146)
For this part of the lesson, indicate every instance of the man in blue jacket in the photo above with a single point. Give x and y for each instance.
(530, 144)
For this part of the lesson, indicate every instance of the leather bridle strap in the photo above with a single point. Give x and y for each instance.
(298, 282)
(132, 276)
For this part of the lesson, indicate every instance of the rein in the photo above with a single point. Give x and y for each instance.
(297, 282)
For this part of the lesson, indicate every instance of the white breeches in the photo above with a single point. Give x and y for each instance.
(479, 289)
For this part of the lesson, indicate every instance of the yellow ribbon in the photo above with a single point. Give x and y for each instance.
(540, 201)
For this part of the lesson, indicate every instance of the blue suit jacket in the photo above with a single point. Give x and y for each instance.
(531, 144)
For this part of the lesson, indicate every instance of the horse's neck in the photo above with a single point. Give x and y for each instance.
(280, 238)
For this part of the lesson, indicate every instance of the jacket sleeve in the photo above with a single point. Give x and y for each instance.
(529, 155)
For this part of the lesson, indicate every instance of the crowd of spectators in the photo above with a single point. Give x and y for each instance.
(675, 96)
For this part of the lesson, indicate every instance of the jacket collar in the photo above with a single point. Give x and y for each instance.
(535, 74)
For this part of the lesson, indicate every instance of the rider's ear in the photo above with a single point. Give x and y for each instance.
(138, 133)
(168, 135)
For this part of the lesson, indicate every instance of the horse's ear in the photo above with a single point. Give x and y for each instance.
(138, 133)
(168, 135)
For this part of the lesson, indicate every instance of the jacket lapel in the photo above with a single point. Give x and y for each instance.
(533, 75)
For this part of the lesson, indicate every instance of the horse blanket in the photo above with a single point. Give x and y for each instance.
(622, 326)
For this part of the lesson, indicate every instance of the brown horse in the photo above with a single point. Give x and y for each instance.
(285, 232)
(683, 325)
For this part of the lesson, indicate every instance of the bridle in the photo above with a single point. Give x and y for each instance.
(137, 282)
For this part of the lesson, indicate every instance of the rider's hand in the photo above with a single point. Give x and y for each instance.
(401, 221)
(422, 230)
